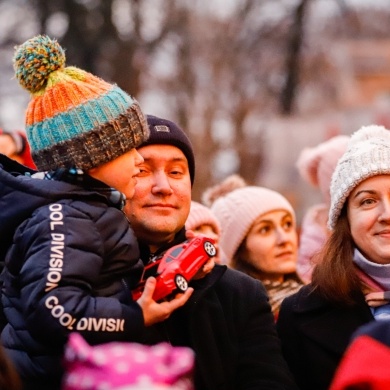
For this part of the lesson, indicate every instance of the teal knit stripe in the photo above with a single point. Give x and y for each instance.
(81, 119)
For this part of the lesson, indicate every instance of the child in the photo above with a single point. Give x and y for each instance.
(69, 248)
(201, 220)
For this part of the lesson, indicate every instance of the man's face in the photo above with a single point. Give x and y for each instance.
(162, 199)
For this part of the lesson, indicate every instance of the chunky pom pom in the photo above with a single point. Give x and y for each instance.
(315, 162)
(230, 184)
(35, 60)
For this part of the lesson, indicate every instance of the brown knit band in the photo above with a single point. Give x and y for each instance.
(98, 146)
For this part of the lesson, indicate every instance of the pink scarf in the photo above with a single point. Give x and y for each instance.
(374, 293)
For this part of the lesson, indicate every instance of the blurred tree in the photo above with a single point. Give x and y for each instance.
(220, 69)
(293, 58)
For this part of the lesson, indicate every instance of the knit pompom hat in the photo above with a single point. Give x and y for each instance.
(367, 155)
(238, 210)
(74, 119)
(201, 215)
(316, 164)
(121, 365)
(231, 183)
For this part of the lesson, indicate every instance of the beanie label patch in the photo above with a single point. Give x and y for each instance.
(162, 128)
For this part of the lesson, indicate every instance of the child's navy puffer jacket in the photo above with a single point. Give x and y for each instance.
(70, 256)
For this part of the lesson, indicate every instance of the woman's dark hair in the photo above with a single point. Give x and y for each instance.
(334, 274)
(238, 261)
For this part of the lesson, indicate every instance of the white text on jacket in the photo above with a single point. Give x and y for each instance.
(56, 248)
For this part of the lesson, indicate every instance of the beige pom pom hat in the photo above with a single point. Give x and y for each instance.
(238, 210)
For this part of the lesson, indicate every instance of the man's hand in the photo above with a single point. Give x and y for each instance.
(156, 312)
(208, 266)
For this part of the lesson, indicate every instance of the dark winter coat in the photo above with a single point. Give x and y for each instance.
(68, 253)
(315, 333)
(229, 324)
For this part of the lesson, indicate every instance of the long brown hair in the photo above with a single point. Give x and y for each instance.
(334, 275)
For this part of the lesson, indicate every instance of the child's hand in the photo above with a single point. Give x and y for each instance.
(209, 265)
(156, 312)
(207, 268)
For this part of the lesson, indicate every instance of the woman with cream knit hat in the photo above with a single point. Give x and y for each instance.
(259, 236)
(351, 281)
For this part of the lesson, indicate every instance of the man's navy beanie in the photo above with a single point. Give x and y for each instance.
(165, 132)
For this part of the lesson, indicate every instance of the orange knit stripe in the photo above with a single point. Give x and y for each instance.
(63, 96)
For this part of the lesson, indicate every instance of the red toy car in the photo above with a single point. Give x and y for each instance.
(176, 267)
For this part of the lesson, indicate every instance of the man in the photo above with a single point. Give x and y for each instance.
(227, 320)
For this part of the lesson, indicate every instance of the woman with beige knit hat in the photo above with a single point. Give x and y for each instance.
(351, 281)
(259, 235)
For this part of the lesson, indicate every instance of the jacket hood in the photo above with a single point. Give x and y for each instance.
(21, 194)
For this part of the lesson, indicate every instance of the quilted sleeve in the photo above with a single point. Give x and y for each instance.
(63, 255)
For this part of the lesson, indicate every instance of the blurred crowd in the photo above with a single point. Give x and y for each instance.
(94, 190)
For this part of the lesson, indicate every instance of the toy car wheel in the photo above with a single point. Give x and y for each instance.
(181, 282)
(210, 248)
